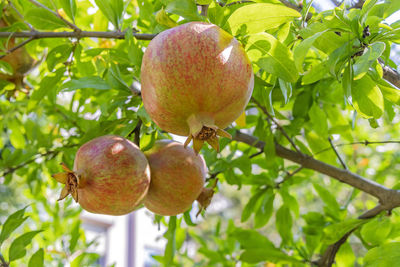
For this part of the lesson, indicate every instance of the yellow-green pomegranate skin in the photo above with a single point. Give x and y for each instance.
(195, 75)
(177, 178)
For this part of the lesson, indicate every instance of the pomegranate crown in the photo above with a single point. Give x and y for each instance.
(71, 181)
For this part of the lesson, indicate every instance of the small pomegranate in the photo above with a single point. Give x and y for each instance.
(20, 61)
(177, 178)
(111, 176)
(196, 80)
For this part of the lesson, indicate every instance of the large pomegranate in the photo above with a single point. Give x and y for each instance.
(177, 178)
(196, 80)
(111, 176)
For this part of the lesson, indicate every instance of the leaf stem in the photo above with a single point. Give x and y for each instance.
(3, 261)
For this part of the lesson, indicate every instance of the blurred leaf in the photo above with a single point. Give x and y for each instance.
(267, 254)
(376, 231)
(171, 244)
(59, 54)
(13, 222)
(284, 224)
(265, 209)
(336, 231)
(17, 247)
(69, 7)
(37, 259)
(184, 8)
(386, 255)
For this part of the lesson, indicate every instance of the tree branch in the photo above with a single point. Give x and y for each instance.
(82, 34)
(388, 198)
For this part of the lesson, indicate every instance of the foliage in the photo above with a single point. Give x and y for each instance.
(318, 79)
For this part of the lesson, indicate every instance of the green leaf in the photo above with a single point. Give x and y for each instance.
(327, 198)
(58, 54)
(387, 255)
(376, 231)
(345, 256)
(5, 68)
(260, 17)
(188, 219)
(37, 259)
(272, 56)
(249, 208)
(364, 62)
(69, 7)
(264, 211)
(171, 244)
(267, 254)
(44, 20)
(243, 163)
(318, 120)
(367, 98)
(184, 8)
(94, 82)
(336, 231)
(301, 50)
(251, 239)
(107, 9)
(13, 222)
(302, 104)
(75, 234)
(17, 247)
(389, 91)
(284, 224)
(17, 137)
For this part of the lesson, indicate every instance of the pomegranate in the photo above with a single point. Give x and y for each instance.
(196, 80)
(110, 176)
(20, 61)
(177, 178)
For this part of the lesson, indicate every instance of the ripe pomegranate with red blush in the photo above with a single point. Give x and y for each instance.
(110, 176)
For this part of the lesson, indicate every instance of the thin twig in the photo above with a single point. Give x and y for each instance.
(17, 47)
(213, 176)
(265, 111)
(136, 132)
(330, 253)
(366, 143)
(37, 156)
(20, 15)
(337, 154)
(71, 25)
(235, 3)
(288, 176)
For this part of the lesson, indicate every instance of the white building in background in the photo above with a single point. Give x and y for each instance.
(126, 241)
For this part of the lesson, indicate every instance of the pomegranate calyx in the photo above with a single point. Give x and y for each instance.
(207, 134)
(71, 181)
(204, 199)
